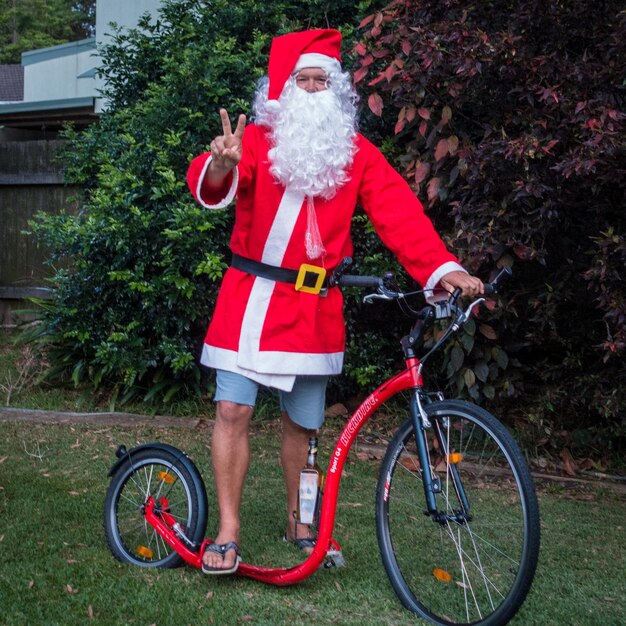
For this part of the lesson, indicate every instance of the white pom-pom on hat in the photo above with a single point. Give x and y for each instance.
(272, 106)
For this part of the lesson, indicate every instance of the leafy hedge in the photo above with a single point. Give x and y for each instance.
(508, 117)
(132, 306)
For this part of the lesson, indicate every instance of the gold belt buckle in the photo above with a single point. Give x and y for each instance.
(320, 275)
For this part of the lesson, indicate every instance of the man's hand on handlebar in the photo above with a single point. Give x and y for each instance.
(469, 285)
(456, 282)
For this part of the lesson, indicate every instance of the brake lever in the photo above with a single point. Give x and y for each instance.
(384, 293)
(388, 295)
(472, 306)
(463, 316)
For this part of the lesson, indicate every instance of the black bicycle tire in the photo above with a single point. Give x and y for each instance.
(525, 575)
(192, 483)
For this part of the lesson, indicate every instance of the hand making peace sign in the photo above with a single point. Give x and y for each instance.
(226, 148)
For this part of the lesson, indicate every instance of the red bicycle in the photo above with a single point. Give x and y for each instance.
(456, 512)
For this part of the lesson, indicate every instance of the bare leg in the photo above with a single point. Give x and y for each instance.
(231, 456)
(293, 455)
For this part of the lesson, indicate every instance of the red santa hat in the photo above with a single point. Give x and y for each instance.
(295, 51)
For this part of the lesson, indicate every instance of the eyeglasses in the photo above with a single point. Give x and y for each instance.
(312, 80)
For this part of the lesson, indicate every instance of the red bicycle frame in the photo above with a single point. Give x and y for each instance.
(165, 524)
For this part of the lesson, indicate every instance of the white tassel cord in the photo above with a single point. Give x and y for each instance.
(313, 239)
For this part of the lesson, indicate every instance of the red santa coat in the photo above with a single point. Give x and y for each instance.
(267, 330)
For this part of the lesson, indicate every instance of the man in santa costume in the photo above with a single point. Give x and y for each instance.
(297, 172)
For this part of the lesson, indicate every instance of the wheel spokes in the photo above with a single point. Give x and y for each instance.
(156, 481)
(470, 571)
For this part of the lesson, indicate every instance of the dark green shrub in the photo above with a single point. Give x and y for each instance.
(506, 116)
(131, 312)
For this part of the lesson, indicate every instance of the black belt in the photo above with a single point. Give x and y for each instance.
(309, 278)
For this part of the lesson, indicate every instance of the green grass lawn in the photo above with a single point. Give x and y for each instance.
(55, 567)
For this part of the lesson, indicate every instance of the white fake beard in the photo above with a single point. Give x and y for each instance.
(313, 142)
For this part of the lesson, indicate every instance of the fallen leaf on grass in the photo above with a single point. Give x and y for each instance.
(336, 410)
(364, 455)
(70, 561)
(31, 584)
(569, 465)
(209, 595)
(410, 462)
(338, 587)
(3, 459)
(247, 618)
(76, 445)
(70, 589)
(588, 497)
(90, 612)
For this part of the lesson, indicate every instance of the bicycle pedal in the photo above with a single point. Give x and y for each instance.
(334, 559)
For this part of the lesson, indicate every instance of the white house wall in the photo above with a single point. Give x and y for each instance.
(55, 73)
(67, 71)
(126, 15)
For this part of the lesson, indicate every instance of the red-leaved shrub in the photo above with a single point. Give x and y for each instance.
(508, 120)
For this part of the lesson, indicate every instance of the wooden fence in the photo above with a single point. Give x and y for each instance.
(30, 181)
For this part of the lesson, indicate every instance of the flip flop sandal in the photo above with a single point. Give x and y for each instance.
(303, 543)
(222, 549)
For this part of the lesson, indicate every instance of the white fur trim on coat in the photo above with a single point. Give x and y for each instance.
(436, 276)
(222, 204)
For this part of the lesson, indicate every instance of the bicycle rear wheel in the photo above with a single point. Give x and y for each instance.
(476, 562)
(160, 474)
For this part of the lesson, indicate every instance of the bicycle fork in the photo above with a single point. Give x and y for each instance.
(431, 482)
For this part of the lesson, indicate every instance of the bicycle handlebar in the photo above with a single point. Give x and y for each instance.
(367, 282)
(385, 285)
(385, 288)
(503, 275)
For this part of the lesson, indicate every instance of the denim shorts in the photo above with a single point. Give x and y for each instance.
(304, 403)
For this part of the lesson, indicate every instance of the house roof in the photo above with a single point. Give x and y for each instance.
(49, 114)
(11, 83)
(60, 50)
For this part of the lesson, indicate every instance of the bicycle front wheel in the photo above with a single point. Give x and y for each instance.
(474, 560)
(159, 474)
